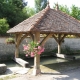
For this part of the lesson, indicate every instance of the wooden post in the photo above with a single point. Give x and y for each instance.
(45, 39)
(36, 69)
(17, 52)
(59, 40)
(59, 44)
(59, 48)
(17, 43)
(17, 48)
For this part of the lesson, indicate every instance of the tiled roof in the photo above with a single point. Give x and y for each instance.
(48, 20)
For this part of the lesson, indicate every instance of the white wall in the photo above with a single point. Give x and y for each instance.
(73, 43)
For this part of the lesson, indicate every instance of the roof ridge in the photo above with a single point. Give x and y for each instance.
(40, 18)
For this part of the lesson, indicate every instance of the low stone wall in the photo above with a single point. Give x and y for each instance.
(7, 51)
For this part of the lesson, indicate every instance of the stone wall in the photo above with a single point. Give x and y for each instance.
(7, 51)
(72, 43)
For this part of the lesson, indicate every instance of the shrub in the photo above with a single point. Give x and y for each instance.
(3, 26)
(10, 41)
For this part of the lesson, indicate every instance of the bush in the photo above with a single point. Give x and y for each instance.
(10, 41)
(3, 26)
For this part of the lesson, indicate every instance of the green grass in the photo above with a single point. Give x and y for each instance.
(7, 77)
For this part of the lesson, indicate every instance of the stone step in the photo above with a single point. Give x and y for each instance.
(22, 62)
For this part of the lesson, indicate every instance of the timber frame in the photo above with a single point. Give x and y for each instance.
(36, 37)
(52, 22)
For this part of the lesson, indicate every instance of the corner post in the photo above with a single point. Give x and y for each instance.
(59, 48)
(59, 44)
(36, 69)
(17, 48)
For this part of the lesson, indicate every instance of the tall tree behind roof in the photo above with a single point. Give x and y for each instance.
(64, 9)
(75, 12)
(18, 3)
(40, 4)
(12, 10)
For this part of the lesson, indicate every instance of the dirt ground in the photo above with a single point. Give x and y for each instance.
(69, 75)
(59, 71)
(54, 71)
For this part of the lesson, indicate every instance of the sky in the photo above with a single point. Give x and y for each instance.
(69, 3)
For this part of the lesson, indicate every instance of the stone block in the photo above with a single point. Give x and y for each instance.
(3, 68)
(22, 62)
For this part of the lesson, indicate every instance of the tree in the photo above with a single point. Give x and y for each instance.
(64, 9)
(75, 12)
(12, 10)
(3, 26)
(40, 4)
(30, 11)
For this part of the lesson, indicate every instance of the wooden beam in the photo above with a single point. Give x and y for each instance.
(60, 39)
(63, 37)
(24, 36)
(55, 38)
(78, 35)
(45, 39)
(32, 36)
(17, 43)
(19, 38)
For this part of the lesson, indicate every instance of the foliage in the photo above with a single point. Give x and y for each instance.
(8, 77)
(75, 12)
(3, 26)
(40, 4)
(32, 48)
(64, 9)
(30, 11)
(10, 40)
(71, 36)
(12, 10)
